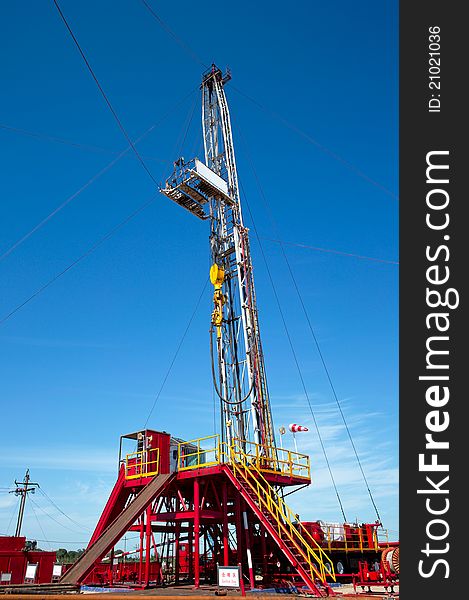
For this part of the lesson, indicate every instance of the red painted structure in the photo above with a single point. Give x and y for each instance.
(208, 513)
(380, 577)
(207, 510)
(348, 544)
(14, 559)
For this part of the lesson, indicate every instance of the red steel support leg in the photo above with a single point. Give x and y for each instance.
(176, 551)
(111, 568)
(157, 559)
(252, 582)
(190, 537)
(263, 550)
(204, 560)
(226, 553)
(239, 531)
(241, 581)
(196, 532)
(140, 561)
(148, 546)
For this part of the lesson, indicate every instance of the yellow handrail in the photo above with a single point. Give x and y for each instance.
(279, 461)
(319, 563)
(136, 467)
(191, 455)
(352, 538)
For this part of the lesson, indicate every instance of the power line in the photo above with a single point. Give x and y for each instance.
(38, 522)
(90, 250)
(15, 506)
(52, 518)
(61, 541)
(181, 341)
(103, 93)
(321, 147)
(135, 537)
(60, 510)
(91, 180)
(177, 39)
(331, 251)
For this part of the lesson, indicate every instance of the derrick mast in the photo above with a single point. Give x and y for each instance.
(210, 191)
(222, 498)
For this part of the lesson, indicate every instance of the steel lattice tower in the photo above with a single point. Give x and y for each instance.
(211, 191)
(215, 503)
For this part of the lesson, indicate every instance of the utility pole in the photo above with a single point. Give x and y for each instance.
(27, 486)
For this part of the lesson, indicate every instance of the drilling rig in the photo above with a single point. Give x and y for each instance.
(198, 506)
(210, 191)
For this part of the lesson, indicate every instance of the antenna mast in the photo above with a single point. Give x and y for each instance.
(210, 191)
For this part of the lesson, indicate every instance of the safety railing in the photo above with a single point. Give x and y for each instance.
(353, 538)
(201, 452)
(287, 523)
(209, 451)
(278, 461)
(144, 463)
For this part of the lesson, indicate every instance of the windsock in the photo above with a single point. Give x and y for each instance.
(294, 428)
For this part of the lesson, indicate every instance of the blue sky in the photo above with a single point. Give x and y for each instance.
(83, 361)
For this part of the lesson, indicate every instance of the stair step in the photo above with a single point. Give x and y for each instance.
(295, 548)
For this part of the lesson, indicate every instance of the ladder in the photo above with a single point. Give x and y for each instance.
(310, 561)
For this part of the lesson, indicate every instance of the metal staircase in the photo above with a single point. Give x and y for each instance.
(116, 529)
(310, 561)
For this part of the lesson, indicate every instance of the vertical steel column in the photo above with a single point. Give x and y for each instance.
(263, 549)
(176, 550)
(148, 544)
(140, 562)
(226, 553)
(239, 529)
(157, 559)
(252, 582)
(196, 532)
(111, 567)
(190, 553)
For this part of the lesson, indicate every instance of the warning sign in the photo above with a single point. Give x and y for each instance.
(228, 577)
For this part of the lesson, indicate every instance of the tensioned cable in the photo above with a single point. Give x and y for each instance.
(287, 123)
(178, 40)
(61, 511)
(321, 356)
(181, 146)
(53, 518)
(15, 506)
(135, 537)
(61, 541)
(91, 180)
(66, 142)
(38, 522)
(64, 204)
(181, 341)
(90, 250)
(331, 251)
(290, 341)
(103, 93)
(321, 147)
